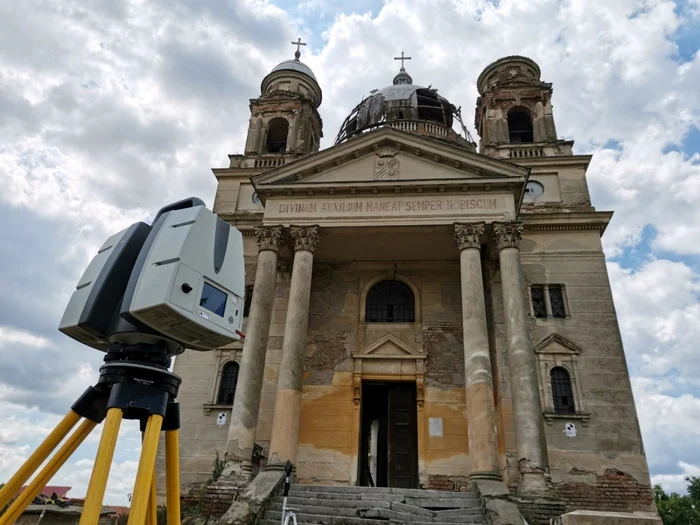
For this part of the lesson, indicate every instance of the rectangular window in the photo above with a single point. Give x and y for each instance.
(556, 298)
(248, 300)
(538, 305)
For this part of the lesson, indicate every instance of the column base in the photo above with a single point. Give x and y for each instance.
(487, 475)
(239, 470)
(533, 485)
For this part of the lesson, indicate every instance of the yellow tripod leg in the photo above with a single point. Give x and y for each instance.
(152, 512)
(172, 476)
(42, 452)
(100, 471)
(48, 472)
(144, 474)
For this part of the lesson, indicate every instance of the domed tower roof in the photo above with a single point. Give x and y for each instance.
(294, 65)
(293, 76)
(407, 107)
(508, 71)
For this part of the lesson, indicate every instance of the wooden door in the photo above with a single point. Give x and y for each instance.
(403, 436)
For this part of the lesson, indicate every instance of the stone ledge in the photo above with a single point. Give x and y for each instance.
(592, 517)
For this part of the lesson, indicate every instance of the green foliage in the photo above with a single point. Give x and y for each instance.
(675, 509)
(161, 515)
(219, 466)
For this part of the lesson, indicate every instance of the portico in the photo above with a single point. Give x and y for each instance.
(430, 213)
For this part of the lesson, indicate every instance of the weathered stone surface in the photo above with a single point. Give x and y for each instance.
(590, 517)
(503, 512)
(252, 501)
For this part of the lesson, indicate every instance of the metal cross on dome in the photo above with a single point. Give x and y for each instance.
(402, 58)
(298, 43)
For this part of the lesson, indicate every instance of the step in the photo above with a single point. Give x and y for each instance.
(368, 496)
(275, 519)
(333, 503)
(352, 489)
(443, 503)
(317, 510)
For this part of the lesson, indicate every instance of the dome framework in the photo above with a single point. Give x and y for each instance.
(407, 107)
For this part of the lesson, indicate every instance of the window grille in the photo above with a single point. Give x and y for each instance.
(229, 380)
(248, 300)
(562, 392)
(556, 298)
(538, 304)
(390, 302)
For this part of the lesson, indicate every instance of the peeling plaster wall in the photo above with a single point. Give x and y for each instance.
(329, 426)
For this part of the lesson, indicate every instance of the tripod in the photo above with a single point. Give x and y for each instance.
(134, 383)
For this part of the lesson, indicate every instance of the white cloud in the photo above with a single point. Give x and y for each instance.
(676, 482)
(658, 308)
(10, 336)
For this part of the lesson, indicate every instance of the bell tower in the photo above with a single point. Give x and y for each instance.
(284, 119)
(514, 116)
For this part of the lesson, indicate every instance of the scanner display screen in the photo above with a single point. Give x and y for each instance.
(213, 300)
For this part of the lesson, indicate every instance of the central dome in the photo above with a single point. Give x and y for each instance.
(407, 107)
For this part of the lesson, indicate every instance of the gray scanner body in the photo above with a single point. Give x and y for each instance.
(192, 283)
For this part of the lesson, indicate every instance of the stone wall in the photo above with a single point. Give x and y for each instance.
(606, 432)
(210, 499)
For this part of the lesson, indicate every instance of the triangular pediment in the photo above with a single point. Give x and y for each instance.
(388, 156)
(388, 347)
(556, 344)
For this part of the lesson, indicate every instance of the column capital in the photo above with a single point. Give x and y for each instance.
(305, 237)
(469, 235)
(269, 237)
(507, 234)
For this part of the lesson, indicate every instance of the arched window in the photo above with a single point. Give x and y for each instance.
(562, 392)
(277, 130)
(227, 387)
(390, 302)
(520, 125)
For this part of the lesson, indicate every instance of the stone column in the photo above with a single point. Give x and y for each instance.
(524, 384)
(244, 415)
(547, 301)
(478, 380)
(285, 422)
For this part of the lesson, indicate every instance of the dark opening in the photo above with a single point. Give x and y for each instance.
(538, 305)
(430, 107)
(375, 420)
(277, 130)
(229, 380)
(388, 435)
(390, 302)
(520, 125)
(248, 300)
(562, 392)
(556, 298)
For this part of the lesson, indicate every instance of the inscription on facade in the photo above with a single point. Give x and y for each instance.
(389, 207)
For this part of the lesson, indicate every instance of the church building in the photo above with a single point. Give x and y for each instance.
(421, 311)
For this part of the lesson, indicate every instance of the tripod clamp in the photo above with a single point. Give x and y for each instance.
(135, 380)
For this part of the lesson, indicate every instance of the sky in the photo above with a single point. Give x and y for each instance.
(111, 109)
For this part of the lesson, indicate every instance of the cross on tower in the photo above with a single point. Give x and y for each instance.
(402, 58)
(298, 43)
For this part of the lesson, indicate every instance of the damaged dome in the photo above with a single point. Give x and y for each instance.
(407, 107)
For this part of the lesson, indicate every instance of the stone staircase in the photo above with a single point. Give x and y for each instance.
(342, 505)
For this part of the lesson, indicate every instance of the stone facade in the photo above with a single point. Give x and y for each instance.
(473, 237)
